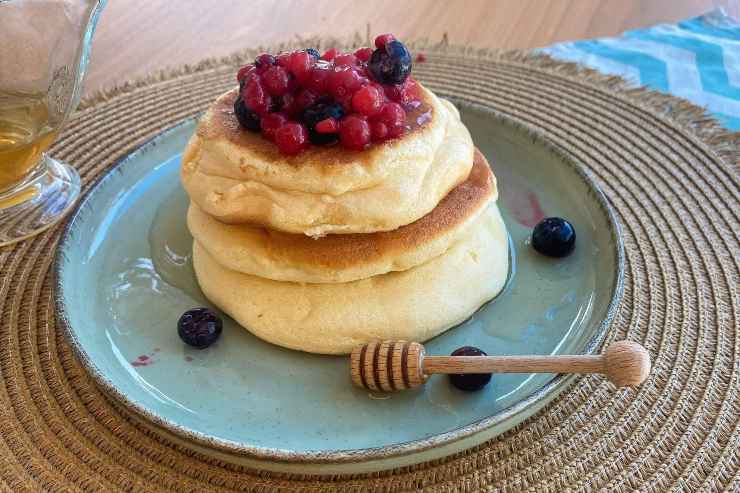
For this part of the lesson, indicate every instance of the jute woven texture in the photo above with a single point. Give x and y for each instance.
(667, 170)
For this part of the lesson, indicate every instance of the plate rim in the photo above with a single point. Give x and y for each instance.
(550, 389)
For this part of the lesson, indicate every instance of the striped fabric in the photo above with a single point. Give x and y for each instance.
(698, 59)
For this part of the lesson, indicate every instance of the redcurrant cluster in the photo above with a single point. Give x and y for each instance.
(300, 98)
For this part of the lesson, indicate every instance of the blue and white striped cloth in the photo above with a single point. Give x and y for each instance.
(697, 59)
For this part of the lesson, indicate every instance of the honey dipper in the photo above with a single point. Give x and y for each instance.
(388, 366)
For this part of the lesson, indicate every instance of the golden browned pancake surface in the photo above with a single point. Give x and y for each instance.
(343, 258)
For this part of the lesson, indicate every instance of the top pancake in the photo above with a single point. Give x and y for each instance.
(343, 258)
(237, 176)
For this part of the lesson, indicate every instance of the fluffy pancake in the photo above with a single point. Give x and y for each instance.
(343, 258)
(238, 177)
(414, 304)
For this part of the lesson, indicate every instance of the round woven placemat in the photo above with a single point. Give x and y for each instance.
(668, 170)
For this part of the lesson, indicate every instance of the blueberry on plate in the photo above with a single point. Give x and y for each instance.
(199, 327)
(390, 64)
(469, 382)
(554, 237)
(247, 118)
(321, 111)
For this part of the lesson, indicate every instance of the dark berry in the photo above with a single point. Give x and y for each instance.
(368, 100)
(264, 61)
(321, 111)
(317, 113)
(364, 54)
(271, 123)
(314, 53)
(469, 382)
(554, 237)
(247, 118)
(421, 58)
(275, 80)
(383, 39)
(354, 132)
(199, 327)
(318, 139)
(390, 64)
(291, 138)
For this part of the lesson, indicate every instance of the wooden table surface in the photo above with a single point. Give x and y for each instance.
(135, 37)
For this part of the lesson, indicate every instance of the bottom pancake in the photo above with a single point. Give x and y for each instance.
(415, 304)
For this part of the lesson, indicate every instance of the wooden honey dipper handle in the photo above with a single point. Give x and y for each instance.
(396, 365)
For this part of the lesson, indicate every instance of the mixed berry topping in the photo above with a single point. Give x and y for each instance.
(300, 98)
(199, 327)
(469, 382)
(554, 237)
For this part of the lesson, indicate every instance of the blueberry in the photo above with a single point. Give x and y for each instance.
(321, 111)
(314, 53)
(554, 237)
(199, 327)
(318, 139)
(470, 382)
(247, 118)
(390, 64)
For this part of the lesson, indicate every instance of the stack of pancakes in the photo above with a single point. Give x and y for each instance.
(334, 248)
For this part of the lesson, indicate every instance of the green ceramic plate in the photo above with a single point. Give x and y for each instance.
(125, 276)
